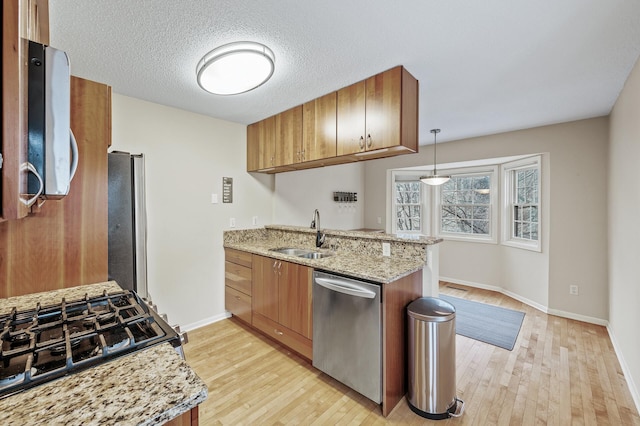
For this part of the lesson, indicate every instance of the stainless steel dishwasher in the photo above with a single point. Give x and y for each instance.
(347, 332)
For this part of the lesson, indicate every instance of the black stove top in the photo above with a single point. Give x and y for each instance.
(45, 343)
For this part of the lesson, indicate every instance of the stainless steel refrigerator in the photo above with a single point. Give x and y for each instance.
(127, 222)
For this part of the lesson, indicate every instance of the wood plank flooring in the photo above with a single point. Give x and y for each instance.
(560, 372)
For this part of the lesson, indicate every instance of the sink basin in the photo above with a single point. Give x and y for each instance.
(315, 255)
(291, 251)
(307, 254)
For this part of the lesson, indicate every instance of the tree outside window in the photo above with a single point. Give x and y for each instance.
(465, 205)
(525, 205)
(408, 206)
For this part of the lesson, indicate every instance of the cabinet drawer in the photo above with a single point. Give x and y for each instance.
(288, 338)
(237, 256)
(238, 277)
(239, 304)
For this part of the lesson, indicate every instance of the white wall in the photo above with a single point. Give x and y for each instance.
(624, 229)
(574, 239)
(300, 192)
(186, 157)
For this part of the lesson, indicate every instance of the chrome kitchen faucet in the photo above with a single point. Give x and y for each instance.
(315, 223)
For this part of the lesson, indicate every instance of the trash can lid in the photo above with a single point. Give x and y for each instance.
(431, 309)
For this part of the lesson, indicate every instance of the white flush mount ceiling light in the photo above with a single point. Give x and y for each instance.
(434, 179)
(235, 68)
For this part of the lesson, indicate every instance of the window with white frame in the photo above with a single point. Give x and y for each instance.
(522, 203)
(409, 206)
(466, 205)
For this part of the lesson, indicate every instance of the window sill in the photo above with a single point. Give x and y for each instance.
(534, 246)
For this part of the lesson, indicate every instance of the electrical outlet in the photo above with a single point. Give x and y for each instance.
(214, 198)
(386, 249)
(254, 220)
(232, 222)
(379, 220)
(573, 290)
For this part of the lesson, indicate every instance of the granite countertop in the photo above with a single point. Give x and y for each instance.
(159, 387)
(361, 259)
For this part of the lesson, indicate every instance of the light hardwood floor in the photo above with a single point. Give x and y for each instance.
(560, 372)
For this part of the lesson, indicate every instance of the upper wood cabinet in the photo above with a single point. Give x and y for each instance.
(21, 20)
(261, 149)
(378, 113)
(288, 141)
(374, 118)
(319, 128)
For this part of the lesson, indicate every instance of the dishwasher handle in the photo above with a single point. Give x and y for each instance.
(345, 287)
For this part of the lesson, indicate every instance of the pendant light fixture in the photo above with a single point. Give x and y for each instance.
(235, 68)
(434, 179)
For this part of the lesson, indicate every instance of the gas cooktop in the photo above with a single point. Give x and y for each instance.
(46, 343)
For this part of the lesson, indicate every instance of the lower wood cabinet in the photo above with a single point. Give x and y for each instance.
(190, 418)
(238, 283)
(282, 302)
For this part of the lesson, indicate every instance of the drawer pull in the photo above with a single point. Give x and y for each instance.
(278, 332)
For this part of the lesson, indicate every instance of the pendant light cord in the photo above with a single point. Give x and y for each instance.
(435, 143)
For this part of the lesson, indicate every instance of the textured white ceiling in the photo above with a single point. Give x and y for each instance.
(484, 66)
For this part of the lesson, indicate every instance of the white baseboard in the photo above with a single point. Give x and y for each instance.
(206, 321)
(633, 389)
(536, 305)
(578, 317)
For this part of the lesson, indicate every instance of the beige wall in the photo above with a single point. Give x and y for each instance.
(186, 157)
(299, 192)
(624, 228)
(574, 224)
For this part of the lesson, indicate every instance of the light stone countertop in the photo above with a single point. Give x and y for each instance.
(159, 384)
(358, 254)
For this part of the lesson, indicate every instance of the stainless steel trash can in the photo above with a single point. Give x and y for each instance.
(432, 358)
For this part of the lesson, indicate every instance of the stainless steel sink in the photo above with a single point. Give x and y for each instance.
(290, 251)
(307, 254)
(315, 255)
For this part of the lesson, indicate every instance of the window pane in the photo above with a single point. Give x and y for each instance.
(481, 182)
(480, 212)
(534, 213)
(466, 205)
(481, 227)
(481, 198)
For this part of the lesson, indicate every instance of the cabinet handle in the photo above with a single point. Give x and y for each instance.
(302, 155)
(369, 141)
(278, 332)
(275, 262)
(279, 265)
(298, 155)
(361, 142)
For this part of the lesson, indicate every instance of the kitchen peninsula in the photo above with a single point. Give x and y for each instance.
(357, 253)
(270, 284)
(147, 387)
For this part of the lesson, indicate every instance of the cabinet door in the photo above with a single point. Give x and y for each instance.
(319, 128)
(383, 99)
(351, 119)
(264, 295)
(261, 144)
(288, 143)
(253, 147)
(295, 298)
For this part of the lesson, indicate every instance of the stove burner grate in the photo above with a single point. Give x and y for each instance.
(47, 342)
